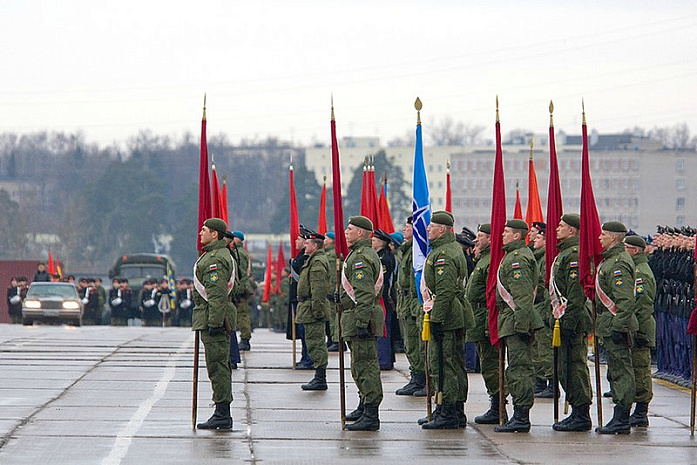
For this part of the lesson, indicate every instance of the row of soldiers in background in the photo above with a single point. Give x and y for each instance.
(16, 292)
(153, 305)
(673, 262)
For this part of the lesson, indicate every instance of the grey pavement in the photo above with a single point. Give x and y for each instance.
(103, 395)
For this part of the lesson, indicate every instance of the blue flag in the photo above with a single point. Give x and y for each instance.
(421, 210)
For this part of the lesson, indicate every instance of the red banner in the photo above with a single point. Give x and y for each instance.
(518, 211)
(294, 221)
(322, 220)
(554, 205)
(340, 245)
(204, 187)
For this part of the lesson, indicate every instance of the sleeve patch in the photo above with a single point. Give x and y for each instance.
(440, 261)
(573, 265)
(358, 274)
(573, 274)
(214, 276)
(515, 265)
(517, 274)
(358, 265)
(213, 267)
(617, 273)
(619, 282)
(440, 271)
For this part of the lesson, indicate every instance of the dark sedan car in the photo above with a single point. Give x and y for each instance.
(52, 302)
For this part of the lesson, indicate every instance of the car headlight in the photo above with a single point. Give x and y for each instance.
(32, 304)
(71, 305)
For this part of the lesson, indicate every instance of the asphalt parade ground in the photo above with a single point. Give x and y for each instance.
(107, 395)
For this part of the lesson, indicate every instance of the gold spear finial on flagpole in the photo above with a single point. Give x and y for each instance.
(531, 148)
(204, 106)
(583, 109)
(291, 161)
(447, 164)
(213, 160)
(497, 108)
(418, 105)
(332, 106)
(325, 179)
(551, 110)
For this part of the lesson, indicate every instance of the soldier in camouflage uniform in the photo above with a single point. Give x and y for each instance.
(362, 321)
(518, 321)
(569, 306)
(313, 307)
(542, 353)
(645, 340)
(616, 322)
(334, 318)
(213, 280)
(247, 288)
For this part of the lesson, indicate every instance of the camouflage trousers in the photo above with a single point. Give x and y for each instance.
(572, 360)
(519, 375)
(489, 364)
(316, 347)
(244, 324)
(217, 350)
(454, 386)
(365, 369)
(641, 362)
(621, 373)
(413, 345)
(543, 354)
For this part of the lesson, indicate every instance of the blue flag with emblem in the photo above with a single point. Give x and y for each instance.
(172, 286)
(421, 206)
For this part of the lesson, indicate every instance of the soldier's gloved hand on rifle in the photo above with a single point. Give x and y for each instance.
(437, 330)
(619, 337)
(641, 340)
(216, 331)
(525, 337)
(363, 333)
(337, 298)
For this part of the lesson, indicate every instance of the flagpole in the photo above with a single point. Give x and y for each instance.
(693, 389)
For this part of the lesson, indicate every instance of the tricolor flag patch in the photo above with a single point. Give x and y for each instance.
(358, 265)
(618, 273)
(573, 264)
(515, 265)
(213, 267)
(639, 281)
(440, 261)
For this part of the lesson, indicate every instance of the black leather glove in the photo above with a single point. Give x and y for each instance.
(641, 340)
(619, 337)
(437, 330)
(216, 331)
(525, 337)
(363, 333)
(567, 334)
(337, 298)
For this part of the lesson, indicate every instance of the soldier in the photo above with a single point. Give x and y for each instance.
(445, 275)
(90, 301)
(148, 304)
(296, 265)
(246, 290)
(542, 352)
(333, 320)
(313, 307)
(119, 310)
(15, 295)
(164, 303)
(282, 303)
(479, 334)
(101, 301)
(214, 316)
(569, 307)
(409, 313)
(184, 302)
(645, 291)
(362, 321)
(380, 242)
(517, 279)
(616, 322)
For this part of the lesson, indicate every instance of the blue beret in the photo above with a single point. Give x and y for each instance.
(330, 235)
(238, 234)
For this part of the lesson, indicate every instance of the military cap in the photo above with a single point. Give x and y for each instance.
(443, 217)
(614, 226)
(635, 241)
(572, 219)
(216, 224)
(397, 238)
(229, 235)
(467, 232)
(410, 219)
(310, 234)
(330, 235)
(382, 235)
(517, 224)
(238, 234)
(464, 240)
(540, 226)
(485, 228)
(361, 222)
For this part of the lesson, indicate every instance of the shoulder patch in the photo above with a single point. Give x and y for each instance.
(440, 261)
(617, 273)
(358, 265)
(358, 274)
(515, 265)
(517, 274)
(214, 276)
(639, 281)
(573, 274)
(619, 282)
(573, 265)
(213, 267)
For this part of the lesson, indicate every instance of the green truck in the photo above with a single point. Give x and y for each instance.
(139, 267)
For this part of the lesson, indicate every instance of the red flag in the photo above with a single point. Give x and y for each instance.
(294, 221)
(372, 197)
(280, 264)
(692, 323)
(554, 206)
(385, 219)
(216, 194)
(223, 200)
(322, 221)
(340, 245)
(448, 191)
(534, 210)
(589, 231)
(518, 212)
(498, 222)
(51, 266)
(204, 187)
(267, 276)
(365, 205)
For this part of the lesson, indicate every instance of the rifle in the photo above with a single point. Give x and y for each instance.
(596, 357)
(426, 336)
(502, 388)
(439, 394)
(342, 387)
(693, 390)
(556, 343)
(194, 401)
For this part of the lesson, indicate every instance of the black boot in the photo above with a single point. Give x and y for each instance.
(619, 423)
(434, 415)
(420, 381)
(540, 385)
(318, 383)
(221, 418)
(369, 421)
(547, 392)
(520, 423)
(334, 347)
(579, 420)
(356, 414)
(640, 417)
(491, 417)
(461, 417)
(244, 344)
(447, 419)
(407, 389)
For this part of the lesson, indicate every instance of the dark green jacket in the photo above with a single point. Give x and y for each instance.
(518, 274)
(362, 268)
(313, 288)
(577, 316)
(213, 270)
(407, 298)
(476, 295)
(246, 285)
(542, 303)
(616, 277)
(645, 289)
(331, 261)
(445, 273)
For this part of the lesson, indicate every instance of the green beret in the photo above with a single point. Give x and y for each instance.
(361, 222)
(443, 217)
(485, 228)
(614, 226)
(216, 224)
(636, 241)
(572, 219)
(517, 224)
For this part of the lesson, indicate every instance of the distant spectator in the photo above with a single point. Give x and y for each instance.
(41, 275)
(15, 295)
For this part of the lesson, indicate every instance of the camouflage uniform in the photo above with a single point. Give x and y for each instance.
(313, 307)
(542, 353)
(246, 291)
(409, 310)
(645, 288)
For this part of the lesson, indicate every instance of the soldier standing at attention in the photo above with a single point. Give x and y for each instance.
(333, 320)
(246, 290)
(569, 307)
(409, 312)
(214, 275)
(362, 321)
(542, 352)
(445, 275)
(617, 322)
(645, 340)
(518, 321)
(488, 354)
(313, 307)
(380, 243)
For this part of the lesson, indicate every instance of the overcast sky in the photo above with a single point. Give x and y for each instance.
(113, 68)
